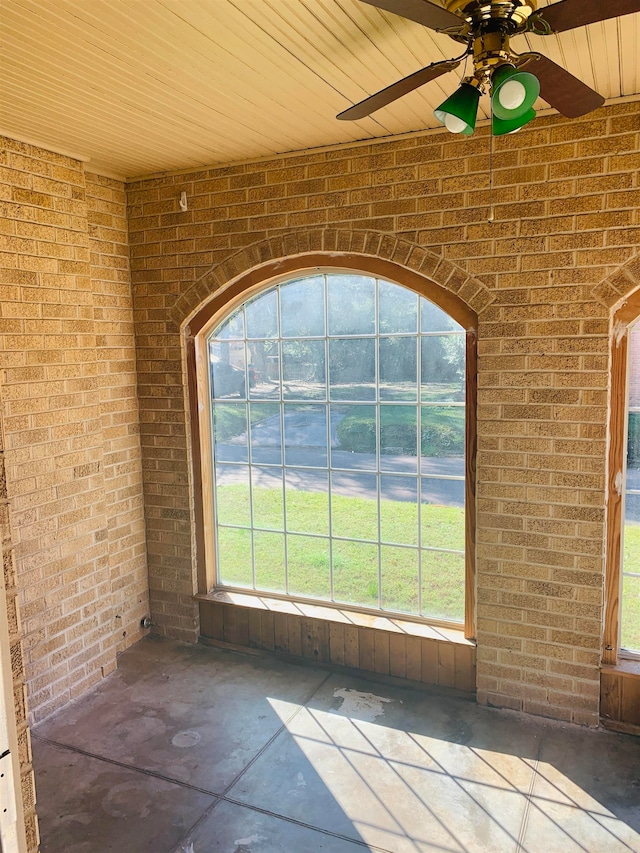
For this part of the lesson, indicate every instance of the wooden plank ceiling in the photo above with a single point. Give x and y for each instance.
(140, 86)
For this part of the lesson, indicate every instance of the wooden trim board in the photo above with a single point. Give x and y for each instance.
(402, 649)
(620, 697)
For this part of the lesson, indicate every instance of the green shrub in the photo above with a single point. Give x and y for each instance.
(229, 421)
(442, 435)
(443, 440)
(357, 433)
(633, 445)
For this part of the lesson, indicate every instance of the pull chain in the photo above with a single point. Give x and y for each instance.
(490, 217)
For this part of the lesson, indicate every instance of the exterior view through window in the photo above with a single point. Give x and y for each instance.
(338, 412)
(630, 637)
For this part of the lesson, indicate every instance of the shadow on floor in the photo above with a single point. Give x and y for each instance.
(188, 749)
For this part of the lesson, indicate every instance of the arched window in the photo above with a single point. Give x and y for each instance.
(622, 616)
(630, 615)
(338, 428)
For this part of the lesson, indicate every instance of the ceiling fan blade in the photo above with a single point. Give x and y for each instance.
(397, 90)
(577, 13)
(570, 96)
(421, 11)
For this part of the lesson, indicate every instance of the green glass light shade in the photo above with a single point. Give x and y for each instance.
(513, 92)
(458, 113)
(501, 126)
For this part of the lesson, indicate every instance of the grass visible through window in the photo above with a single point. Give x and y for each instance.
(631, 589)
(355, 564)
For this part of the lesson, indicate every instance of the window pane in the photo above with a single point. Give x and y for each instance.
(268, 549)
(354, 506)
(308, 566)
(230, 432)
(303, 370)
(630, 636)
(632, 509)
(307, 501)
(443, 585)
(634, 361)
(227, 369)
(397, 309)
(262, 315)
(434, 319)
(630, 620)
(443, 369)
(398, 368)
(352, 369)
(399, 510)
(442, 438)
(353, 437)
(268, 499)
(399, 578)
(234, 556)
(352, 303)
(266, 438)
(442, 514)
(398, 438)
(630, 617)
(264, 370)
(233, 498)
(305, 435)
(355, 573)
(302, 308)
(233, 326)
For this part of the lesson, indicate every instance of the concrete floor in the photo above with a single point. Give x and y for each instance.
(187, 749)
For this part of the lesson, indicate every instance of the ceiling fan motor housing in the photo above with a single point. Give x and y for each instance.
(509, 15)
(486, 28)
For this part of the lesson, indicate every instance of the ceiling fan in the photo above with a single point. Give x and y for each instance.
(485, 27)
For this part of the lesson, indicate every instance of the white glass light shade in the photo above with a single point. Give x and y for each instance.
(454, 124)
(512, 94)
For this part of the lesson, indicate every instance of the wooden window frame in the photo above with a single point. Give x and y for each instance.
(238, 291)
(622, 320)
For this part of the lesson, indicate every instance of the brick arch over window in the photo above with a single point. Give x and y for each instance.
(368, 251)
(619, 284)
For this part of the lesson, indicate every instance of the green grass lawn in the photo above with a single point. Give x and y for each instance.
(355, 564)
(631, 589)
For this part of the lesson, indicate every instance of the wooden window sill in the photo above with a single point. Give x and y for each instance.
(339, 636)
(626, 666)
(342, 615)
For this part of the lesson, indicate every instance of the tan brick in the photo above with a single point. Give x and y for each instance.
(564, 223)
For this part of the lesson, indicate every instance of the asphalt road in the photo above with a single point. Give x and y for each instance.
(306, 450)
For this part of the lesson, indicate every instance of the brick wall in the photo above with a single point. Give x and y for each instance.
(119, 416)
(69, 417)
(10, 590)
(566, 217)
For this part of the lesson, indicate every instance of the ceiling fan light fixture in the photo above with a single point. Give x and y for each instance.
(513, 92)
(500, 126)
(458, 113)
